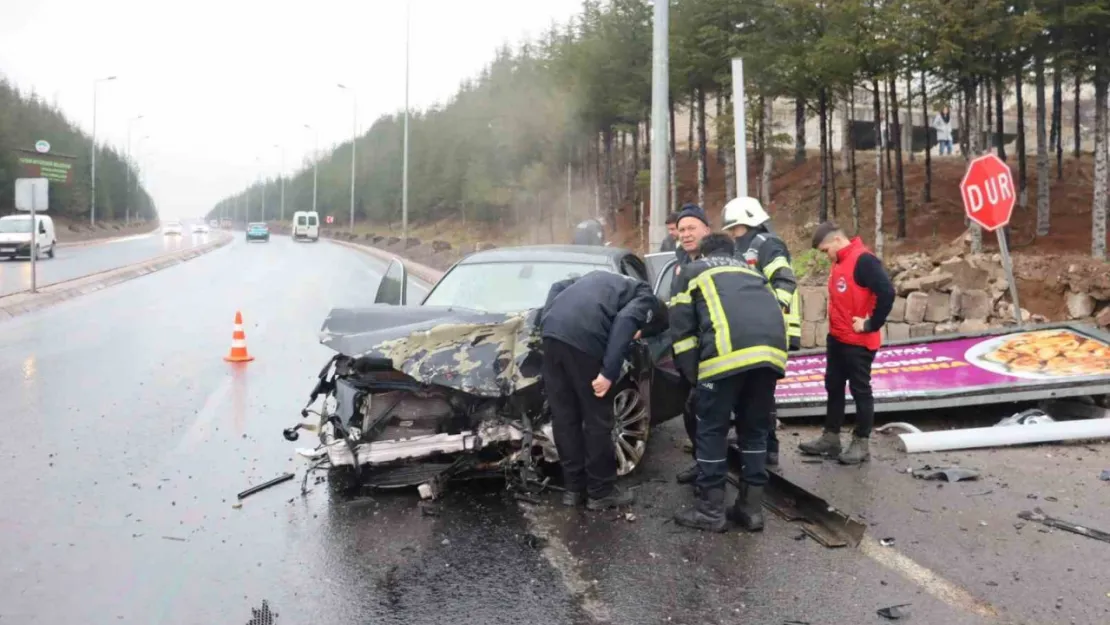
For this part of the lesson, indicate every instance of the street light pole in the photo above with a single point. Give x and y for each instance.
(92, 151)
(354, 142)
(405, 157)
(315, 164)
(258, 162)
(127, 195)
(282, 148)
(660, 90)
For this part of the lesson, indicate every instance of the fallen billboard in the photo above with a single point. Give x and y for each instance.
(1005, 365)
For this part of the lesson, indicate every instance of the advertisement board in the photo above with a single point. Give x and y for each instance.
(54, 168)
(1015, 365)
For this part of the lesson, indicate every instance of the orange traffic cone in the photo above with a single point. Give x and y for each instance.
(238, 342)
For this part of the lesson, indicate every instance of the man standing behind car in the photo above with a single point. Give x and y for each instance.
(860, 298)
(671, 242)
(588, 325)
(730, 340)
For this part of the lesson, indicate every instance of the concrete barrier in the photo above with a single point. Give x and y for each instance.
(24, 302)
(424, 273)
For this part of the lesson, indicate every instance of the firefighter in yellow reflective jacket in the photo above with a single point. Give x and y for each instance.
(730, 340)
(747, 222)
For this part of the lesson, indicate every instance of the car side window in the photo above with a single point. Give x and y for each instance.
(42, 228)
(665, 280)
(633, 268)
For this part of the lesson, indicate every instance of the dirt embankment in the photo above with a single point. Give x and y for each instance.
(70, 231)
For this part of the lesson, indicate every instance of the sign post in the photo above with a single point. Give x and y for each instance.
(988, 193)
(32, 194)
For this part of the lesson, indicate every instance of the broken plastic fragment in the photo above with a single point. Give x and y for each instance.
(886, 542)
(951, 474)
(895, 612)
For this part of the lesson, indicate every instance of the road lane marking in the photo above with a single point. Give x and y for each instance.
(931, 582)
(212, 404)
(563, 561)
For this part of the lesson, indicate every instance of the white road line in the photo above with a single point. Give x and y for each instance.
(931, 582)
(562, 560)
(199, 430)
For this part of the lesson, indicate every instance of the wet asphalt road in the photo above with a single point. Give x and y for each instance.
(78, 261)
(129, 438)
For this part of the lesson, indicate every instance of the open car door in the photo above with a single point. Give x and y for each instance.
(668, 389)
(394, 287)
(656, 262)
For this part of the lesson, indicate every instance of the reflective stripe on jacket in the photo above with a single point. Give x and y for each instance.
(725, 319)
(768, 253)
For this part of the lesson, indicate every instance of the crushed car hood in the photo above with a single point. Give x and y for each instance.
(480, 353)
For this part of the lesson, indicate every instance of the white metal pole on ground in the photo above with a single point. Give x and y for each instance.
(997, 436)
(405, 156)
(660, 90)
(740, 125)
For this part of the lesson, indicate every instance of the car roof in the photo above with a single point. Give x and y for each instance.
(257, 223)
(584, 254)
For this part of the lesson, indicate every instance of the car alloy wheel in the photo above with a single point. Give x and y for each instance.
(631, 429)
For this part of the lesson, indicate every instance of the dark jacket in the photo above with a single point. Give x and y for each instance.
(669, 244)
(725, 319)
(598, 313)
(589, 232)
(765, 252)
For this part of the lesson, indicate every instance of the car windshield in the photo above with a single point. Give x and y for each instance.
(503, 287)
(15, 225)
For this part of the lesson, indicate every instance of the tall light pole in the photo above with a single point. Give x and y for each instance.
(127, 195)
(315, 164)
(282, 148)
(660, 90)
(354, 141)
(139, 175)
(258, 161)
(92, 150)
(405, 156)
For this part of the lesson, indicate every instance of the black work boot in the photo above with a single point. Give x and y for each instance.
(859, 450)
(614, 499)
(707, 514)
(687, 475)
(747, 511)
(572, 498)
(772, 458)
(828, 444)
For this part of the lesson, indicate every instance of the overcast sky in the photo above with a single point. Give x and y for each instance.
(219, 83)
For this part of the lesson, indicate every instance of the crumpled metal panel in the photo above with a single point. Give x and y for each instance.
(479, 353)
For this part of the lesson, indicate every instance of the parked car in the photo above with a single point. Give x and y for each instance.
(306, 226)
(15, 236)
(258, 232)
(172, 228)
(417, 394)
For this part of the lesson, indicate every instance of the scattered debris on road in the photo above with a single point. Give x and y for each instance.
(1033, 416)
(175, 538)
(1038, 516)
(895, 612)
(1105, 477)
(261, 487)
(950, 474)
(886, 542)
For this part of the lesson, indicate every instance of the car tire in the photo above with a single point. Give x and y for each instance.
(50, 252)
(631, 426)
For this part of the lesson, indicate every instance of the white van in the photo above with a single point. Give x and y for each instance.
(306, 225)
(15, 236)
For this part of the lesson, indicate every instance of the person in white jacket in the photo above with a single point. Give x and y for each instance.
(943, 125)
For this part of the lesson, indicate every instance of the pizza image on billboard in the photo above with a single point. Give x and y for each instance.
(1042, 355)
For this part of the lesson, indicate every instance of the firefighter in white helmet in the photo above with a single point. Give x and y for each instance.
(747, 222)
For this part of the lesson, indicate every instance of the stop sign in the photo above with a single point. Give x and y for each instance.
(988, 192)
(330, 219)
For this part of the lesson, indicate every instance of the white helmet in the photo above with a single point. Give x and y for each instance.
(744, 211)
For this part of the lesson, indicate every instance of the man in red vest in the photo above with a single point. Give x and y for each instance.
(860, 298)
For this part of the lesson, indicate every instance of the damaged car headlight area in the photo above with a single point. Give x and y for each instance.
(420, 395)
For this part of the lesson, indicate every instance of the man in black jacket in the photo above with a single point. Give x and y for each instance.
(671, 242)
(730, 339)
(588, 325)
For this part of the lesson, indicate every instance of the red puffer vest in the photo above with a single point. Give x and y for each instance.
(848, 299)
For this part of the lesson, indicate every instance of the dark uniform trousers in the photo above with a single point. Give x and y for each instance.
(582, 422)
(851, 364)
(751, 396)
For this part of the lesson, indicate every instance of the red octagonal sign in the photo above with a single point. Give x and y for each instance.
(988, 192)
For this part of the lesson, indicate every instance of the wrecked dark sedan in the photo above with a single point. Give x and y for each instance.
(417, 395)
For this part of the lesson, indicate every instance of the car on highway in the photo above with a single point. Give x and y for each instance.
(213, 224)
(306, 226)
(173, 227)
(418, 394)
(200, 229)
(15, 236)
(258, 231)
